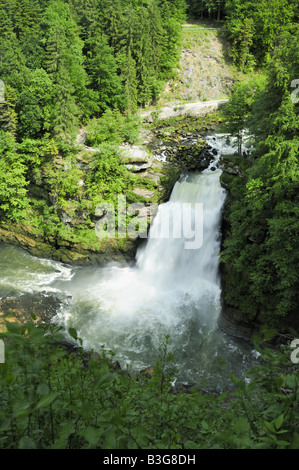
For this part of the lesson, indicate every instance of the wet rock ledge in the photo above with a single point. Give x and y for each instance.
(18, 308)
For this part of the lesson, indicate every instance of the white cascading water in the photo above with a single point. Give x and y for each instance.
(182, 275)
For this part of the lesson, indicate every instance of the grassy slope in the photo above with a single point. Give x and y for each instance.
(205, 71)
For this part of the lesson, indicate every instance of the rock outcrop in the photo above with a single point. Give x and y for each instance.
(21, 234)
(19, 309)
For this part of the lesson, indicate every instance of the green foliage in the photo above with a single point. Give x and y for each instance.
(102, 70)
(108, 177)
(8, 116)
(239, 107)
(58, 397)
(243, 34)
(262, 251)
(206, 9)
(34, 102)
(13, 201)
(254, 27)
(92, 56)
(66, 64)
(112, 127)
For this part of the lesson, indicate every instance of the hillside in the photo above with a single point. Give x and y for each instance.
(204, 78)
(204, 72)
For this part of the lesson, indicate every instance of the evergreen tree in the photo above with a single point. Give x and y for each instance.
(63, 45)
(130, 80)
(239, 108)
(34, 102)
(24, 16)
(64, 116)
(64, 63)
(12, 60)
(113, 21)
(262, 250)
(126, 59)
(8, 115)
(99, 54)
(175, 9)
(156, 35)
(54, 54)
(87, 16)
(102, 70)
(143, 52)
(13, 200)
(6, 25)
(255, 26)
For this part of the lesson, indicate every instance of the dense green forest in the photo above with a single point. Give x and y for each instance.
(66, 64)
(94, 63)
(262, 248)
(261, 251)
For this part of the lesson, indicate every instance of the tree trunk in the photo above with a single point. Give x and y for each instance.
(240, 138)
(219, 10)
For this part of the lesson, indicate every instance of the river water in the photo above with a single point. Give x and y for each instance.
(173, 289)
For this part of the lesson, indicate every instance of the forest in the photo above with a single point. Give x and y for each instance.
(72, 64)
(69, 64)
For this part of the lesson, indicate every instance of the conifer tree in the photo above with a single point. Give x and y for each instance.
(13, 200)
(130, 83)
(126, 59)
(113, 21)
(24, 16)
(64, 64)
(54, 54)
(12, 60)
(156, 34)
(34, 103)
(87, 16)
(265, 21)
(102, 70)
(143, 49)
(65, 112)
(8, 115)
(6, 25)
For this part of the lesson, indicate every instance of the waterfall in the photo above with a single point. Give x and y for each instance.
(173, 289)
(167, 261)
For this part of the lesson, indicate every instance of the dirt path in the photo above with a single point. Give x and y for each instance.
(197, 27)
(188, 109)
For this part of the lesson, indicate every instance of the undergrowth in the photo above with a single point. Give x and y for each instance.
(58, 397)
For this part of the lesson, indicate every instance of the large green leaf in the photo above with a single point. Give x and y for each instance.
(46, 400)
